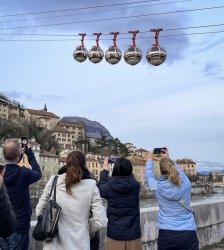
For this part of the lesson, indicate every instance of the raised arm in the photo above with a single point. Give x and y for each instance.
(99, 219)
(150, 178)
(103, 186)
(35, 174)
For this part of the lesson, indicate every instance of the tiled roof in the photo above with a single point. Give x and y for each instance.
(4, 101)
(91, 160)
(41, 113)
(47, 153)
(60, 129)
(142, 149)
(127, 143)
(33, 143)
(183, 161)
(62, 159)
(71, 124)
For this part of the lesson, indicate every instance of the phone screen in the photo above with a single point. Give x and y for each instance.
(24, 142)
(158, 151)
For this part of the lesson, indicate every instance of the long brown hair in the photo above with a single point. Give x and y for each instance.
(74, 163)
(167, 167)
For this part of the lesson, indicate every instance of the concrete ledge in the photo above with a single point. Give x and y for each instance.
(209, 219)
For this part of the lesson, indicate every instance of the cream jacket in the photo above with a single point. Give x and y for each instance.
(74, 225)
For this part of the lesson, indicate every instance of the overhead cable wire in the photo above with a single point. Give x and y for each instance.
(92, 12)
(114, 18)
(60, 40)
(121, 33)
(81, 8)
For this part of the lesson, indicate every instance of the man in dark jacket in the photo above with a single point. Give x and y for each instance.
(17, 180)
(8, 217)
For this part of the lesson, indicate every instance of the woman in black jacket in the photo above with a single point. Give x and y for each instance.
(7, 218)
(123, 212)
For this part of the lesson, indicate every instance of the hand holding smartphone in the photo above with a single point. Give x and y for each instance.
(159, 151)
(24, 142)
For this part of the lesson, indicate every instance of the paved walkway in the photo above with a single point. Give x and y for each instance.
(218, 246)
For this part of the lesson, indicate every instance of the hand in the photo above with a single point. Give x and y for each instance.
(151, 154)
(23, 151)
(166, 152)
(105, 164)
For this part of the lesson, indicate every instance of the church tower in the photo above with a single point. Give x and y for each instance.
(45, 107)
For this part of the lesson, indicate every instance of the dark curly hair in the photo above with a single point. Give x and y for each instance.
(76, 160)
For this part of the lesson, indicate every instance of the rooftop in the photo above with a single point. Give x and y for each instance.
(60, 129)
(142, 149)
(41, 113)
(71, 124)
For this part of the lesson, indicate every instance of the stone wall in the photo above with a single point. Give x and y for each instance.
(209, 219)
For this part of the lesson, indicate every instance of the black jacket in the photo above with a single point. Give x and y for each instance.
(8, 217)
(17, 180)
(123, 212)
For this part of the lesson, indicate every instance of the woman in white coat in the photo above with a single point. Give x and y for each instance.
(77, 195)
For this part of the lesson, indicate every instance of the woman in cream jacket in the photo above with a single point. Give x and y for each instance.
(77, 195)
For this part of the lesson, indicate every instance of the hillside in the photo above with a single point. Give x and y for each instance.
(93, 128)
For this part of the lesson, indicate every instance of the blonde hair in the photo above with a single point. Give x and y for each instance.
(167, 167)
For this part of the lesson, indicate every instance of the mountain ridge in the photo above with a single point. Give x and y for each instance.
(93, 128)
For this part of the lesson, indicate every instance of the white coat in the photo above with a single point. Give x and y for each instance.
(74, 225)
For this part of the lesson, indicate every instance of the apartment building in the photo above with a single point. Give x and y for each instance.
(49, 164)
(131, 148)
(8, 110)
(63, 136)
(141, 152)
(43, 118)
(94, 166)
(77, 129)
(188, 165)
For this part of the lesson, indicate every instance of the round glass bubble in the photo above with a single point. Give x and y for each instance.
(96, 54)
(80, 54)
(156, 55)
(113, 55)
(133, 55)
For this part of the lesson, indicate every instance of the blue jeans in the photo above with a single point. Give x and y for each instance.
(15, 241)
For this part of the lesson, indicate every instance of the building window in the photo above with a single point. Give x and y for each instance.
(73, 136)
(59, 135)
(93, 164)
(69, 140)
(67, 127)
(45, 120)
(63, 135)
(59, 139)
(63, 139)
(68, 135)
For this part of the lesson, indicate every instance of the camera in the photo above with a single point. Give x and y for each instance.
(24, 142)
(112, 160)
(159, 151)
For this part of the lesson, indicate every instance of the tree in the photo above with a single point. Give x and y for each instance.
(118, 148)
(210, 177)
(102, 141)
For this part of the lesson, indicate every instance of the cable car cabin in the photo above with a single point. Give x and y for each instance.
(156, 55)
(113, 55)
(80, 54)
(133, 55)
(96, 54)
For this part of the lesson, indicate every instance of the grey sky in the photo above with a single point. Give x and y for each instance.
(179, 104)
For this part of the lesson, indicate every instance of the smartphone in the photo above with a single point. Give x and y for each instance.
(24, 142)
(112, 160)
(1, 167)
(158, 151)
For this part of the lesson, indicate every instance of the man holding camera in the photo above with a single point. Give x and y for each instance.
(17, 180)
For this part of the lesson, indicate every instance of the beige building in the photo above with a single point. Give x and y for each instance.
(139, 170)
(94, 166)
(42, 117)
(63, 136)
(4, 109)
(188, 165)
(77, 129)
(141, 152)
(217, 176)
(131, 148)
(49, 164)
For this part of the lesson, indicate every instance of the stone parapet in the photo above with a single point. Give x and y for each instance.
(209, 220)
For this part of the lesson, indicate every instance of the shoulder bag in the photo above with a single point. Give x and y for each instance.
(184, 204)
(47, 225)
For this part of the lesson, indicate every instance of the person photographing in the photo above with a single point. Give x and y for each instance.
(176, 223)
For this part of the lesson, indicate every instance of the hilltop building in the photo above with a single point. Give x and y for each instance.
(141, 152)
(76, 129)
(8, 110)
(188, 165)
(43, 118)
(131, 148)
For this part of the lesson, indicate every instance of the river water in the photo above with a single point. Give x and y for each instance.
(145, 203)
